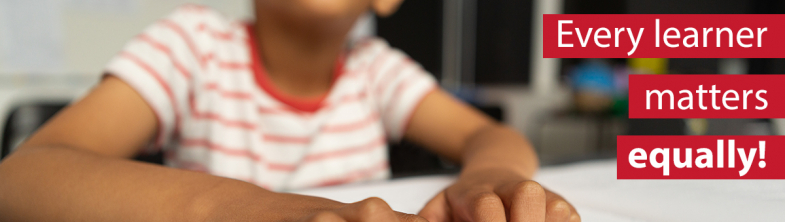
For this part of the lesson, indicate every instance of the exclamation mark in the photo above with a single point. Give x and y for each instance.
(762, 148)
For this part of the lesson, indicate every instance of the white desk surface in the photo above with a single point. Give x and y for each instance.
(593, 189)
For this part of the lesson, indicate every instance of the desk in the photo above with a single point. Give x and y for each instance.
(593, 189)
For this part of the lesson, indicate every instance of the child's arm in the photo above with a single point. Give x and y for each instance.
(498, 164)
(75, 169)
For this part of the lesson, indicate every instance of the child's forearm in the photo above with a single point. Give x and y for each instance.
(45, 184)
(498, 146)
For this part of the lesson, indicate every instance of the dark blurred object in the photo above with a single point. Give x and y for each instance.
(592, 102)
(767, 66)
(569, 136)
(23, 121)
(689, 7)
(595, 6)
(416, 29)
(693, 66)
(503, 42)
(739, 127)
(656, 127)
(492, 38)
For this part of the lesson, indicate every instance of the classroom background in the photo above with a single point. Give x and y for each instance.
(486, 52)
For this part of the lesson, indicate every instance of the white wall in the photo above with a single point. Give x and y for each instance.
(92, 31)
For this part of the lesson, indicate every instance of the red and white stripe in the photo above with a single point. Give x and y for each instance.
(196, 71)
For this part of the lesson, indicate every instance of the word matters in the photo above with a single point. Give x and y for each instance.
(706, 96)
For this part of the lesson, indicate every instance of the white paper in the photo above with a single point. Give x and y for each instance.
(411, 194)
(593, 184)
(595, 192)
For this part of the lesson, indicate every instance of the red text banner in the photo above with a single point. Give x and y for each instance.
(663, 36)
(706, 96)
(700, 157)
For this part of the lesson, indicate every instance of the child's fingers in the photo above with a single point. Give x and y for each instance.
(437, 209)
(404, 217)
(526, 201)
(369, 210)
(483, 206)
(325, 216)
(559, 210)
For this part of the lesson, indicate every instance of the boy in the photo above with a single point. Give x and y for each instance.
(278, 104)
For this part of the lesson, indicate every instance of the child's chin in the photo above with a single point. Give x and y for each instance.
(325, 9)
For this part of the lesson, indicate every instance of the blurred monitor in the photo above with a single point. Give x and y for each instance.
(503, 42)
(494, 37)
(416, 29)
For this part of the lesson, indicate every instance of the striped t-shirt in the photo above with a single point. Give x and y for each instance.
(219, 113)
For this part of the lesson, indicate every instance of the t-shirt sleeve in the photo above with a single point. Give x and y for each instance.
(398, 84)
(158, 64)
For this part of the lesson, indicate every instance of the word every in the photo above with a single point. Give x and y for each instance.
(637, 157)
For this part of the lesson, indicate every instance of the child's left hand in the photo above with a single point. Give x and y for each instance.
(498, 162)
(497, 195)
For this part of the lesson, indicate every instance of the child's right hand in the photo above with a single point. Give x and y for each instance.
(255, 204)
(371, 209)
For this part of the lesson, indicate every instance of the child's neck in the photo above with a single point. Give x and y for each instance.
(298, 62)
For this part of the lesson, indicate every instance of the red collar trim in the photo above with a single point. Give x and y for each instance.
(264, 82)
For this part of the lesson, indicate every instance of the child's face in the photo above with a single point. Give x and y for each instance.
(327, 10)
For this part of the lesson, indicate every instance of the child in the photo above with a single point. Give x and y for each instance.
(278, 104)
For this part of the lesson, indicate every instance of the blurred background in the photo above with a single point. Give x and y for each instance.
(487, 53)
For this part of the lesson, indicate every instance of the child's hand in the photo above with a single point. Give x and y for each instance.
(497, 195)
(369, 210)
(271, 206)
